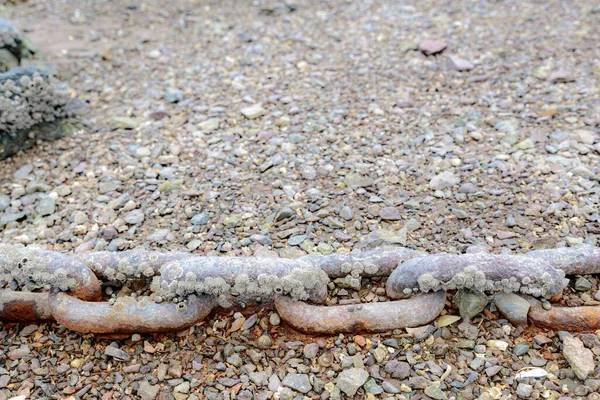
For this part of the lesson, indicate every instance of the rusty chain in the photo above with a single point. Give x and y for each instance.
(42, 285)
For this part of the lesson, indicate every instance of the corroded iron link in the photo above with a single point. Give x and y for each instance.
(192, 284)
(573, 319)
(363, 317)
(128, 314)
(24, 306)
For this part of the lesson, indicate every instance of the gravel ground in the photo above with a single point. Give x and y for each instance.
(280, 129)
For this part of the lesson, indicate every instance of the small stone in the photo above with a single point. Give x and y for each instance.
(264, 342)
(443, 180)
(467, 188)
(521, 349)
(209, 125)
(309, 173)
(136, 337)
(513, 307)
(325, 360)
(147, 391)
(46, 206)
(173, 95)
(579, 358)
(351, 379)
(497, 345)
(297, 240)
(345, 212)
(390, 214)
(253, 112)
(562, 76)
(470, 303)
(4, 202)
(431, 47)
(134, 217)
(123, 123)
(116, 353)
(355, 180)
(298, 382)
(19, 353)
(459, 64)
(524, 391)
(372, 387)
(275, 319)
(311, 350)
(582, 284)
(421, 333)
(435, 392)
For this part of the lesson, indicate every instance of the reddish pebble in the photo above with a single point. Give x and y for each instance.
(430, 47)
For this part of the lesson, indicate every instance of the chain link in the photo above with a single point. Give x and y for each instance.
(195, 285)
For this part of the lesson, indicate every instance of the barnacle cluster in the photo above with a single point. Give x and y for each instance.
(298, 284)
(472, 278)
(355, 271)
(29, 267)
(29, 96)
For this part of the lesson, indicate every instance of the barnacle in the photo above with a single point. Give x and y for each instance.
(28, 97)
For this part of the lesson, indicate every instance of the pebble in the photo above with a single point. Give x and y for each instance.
(443, 180)
(390, 214)
(579, 358)
(582, 284)
(497, 345)
(264, 342)
(431, 47)
(116, 353)
(173, 95)
(513, 307)
(134, 217)
(275, 319)
(4, 202)
(470, 303)
(311, 350)
(298, 382)
(200, 219)
(435, 392)
(521, 349)
(351, 379)
(459, 64)
(253, 112)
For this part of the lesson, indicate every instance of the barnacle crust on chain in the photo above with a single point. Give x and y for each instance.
(479, 272)
(46, 269)
(247, 276)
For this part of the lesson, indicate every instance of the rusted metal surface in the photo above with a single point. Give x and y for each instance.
(480, 271)
(364, 317)
(228, 283)
(127, 314)
(572, 319)
(578, 260)
(24, 306)
(385, 260)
